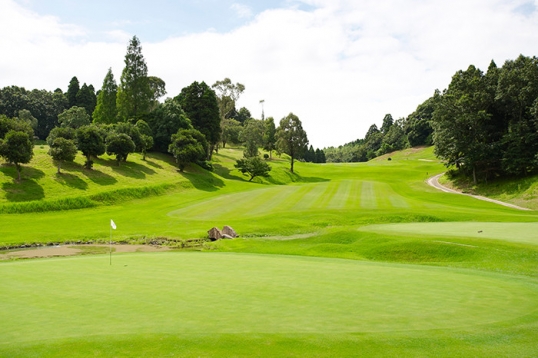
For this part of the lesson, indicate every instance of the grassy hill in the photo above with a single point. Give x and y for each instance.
(426, 273)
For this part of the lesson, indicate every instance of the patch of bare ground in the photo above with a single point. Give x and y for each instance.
(72, 250)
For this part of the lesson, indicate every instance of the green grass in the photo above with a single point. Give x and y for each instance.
(333, 260)
(252, 296)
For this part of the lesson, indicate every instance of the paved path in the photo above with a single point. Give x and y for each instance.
(434, 181)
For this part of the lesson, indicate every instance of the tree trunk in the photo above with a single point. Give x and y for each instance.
(18, 171)
(292, 165)
(59, 167)
(474, 175)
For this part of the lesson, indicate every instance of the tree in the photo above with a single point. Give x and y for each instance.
(372, 141)
(230, 131)
(74, 117)
(165, 121)
(72, 91)
(18, 148)
(417, 126)
(188, 146)
(134, 93)
(26, 115)
(106, 110)
(320, 156)
(90, 142)
(394, 139)
(227, 95)
(291, 137)
(86, 98)
(242, 116)
(269, 133)
(119, 144)
(62, 150)
(388, 121)
(45, 106)
(252, 137)
(158, 89)
(145, 136)
(61, 132)
(200, 104)
(461, 121)
(253, 167)
(134, 134)
(14, 124)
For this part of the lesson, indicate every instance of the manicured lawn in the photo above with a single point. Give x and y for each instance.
(50, 305)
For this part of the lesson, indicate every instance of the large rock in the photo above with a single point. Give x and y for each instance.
(214, 234)
(228, 231)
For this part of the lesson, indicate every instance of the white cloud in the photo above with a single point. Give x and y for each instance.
(340, 67)
(242, 11)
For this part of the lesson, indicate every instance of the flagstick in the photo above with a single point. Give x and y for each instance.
(110, 250)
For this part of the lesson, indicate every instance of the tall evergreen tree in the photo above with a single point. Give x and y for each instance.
(105, 110)
(134, 93)
(86, 98)
(72, 91)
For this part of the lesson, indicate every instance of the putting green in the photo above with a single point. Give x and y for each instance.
(515, 232)
(201, 293)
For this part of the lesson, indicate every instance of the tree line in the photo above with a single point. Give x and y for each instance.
(126, 117)
(484, 125)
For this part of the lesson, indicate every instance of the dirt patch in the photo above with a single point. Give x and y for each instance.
(72, 250)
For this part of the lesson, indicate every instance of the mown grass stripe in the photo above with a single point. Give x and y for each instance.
(340, 198)
(353, 200)
(273, 199)
(327, 195)
(314, 194)
(368, 196)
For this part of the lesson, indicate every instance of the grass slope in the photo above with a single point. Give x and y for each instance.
(422, 281)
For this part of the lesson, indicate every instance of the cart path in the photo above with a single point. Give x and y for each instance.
(434, 181)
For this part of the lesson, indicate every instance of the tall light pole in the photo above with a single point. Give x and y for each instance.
(262, 101)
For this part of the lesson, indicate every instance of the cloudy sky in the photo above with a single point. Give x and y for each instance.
(340, 65)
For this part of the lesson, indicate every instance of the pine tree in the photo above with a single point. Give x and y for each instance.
(105, 110)
(134, 92)
(72, 90)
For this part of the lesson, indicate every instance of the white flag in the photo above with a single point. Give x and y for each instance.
(112, 224)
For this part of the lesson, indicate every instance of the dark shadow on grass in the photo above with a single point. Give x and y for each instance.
(152, 164)
(25, 190)
(225, 172)
(71, 180)
(131, 169)
(296, 177)
(98, 177)
(205, 181)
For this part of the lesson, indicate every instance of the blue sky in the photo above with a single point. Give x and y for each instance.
(340, 65)
(155, 20)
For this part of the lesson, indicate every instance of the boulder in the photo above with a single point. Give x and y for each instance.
(214, 234)
(227, 230)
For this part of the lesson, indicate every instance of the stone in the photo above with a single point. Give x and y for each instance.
(214, 234)
(227, 230)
